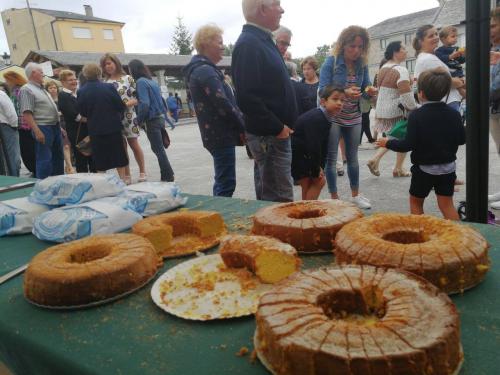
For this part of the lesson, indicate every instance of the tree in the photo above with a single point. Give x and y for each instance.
(182, 41)
(322, 53)
(228, 50)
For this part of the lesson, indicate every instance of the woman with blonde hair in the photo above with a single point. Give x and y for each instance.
(125, 86)
(26, 140)
(347, 67)
(219, 119)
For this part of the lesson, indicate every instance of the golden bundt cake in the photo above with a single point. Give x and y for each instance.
(270, 259)
(452, 256)
(306, 225)
(357, 320)
(183, 232)
(90, 270)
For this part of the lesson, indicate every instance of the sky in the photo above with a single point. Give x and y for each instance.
(149, 24)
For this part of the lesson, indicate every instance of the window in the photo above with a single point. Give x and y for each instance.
(108, 34)
(14, 46)
(81, 33)
(408, 38)
(383, 43)
(7, 21)
(410, 65)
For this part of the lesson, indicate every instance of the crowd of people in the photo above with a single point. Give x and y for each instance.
(298, 130)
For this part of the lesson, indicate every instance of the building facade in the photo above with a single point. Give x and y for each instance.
(51, 30)
(403, 28)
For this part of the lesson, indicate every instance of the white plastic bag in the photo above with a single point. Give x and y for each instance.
(75, 188)
(16, 215)
(70, 223)
(160, 196)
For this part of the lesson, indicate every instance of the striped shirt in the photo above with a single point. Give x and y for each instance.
(33, 98)
(350, 114)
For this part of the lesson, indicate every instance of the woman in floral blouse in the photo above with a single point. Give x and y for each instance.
(125, 85)
(219, 119)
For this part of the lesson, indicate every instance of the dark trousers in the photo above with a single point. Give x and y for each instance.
(49, 156)
(83, 164)
(225, 171)
(27, 145)
(174, 112)
(365, 127)
(153, 131)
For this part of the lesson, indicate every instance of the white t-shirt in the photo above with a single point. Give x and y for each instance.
(426, 61)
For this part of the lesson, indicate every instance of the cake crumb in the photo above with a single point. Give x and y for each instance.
(242, 352)
(253, 357)
(223, 346)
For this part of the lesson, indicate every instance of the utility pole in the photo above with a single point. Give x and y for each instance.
(33, 24)
(478, 66)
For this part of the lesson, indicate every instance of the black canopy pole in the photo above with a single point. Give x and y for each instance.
(478, 80)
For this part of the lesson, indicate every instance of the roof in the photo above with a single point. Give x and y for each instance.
(153, 61)
(73, 16)
(403, 23)
(452, 12)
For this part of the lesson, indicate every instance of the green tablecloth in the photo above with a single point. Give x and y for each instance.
(133, 336)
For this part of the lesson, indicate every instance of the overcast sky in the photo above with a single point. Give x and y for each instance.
(149, 24)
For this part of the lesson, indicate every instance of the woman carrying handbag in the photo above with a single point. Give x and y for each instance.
(151, 111)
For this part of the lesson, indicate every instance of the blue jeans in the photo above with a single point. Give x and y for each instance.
(225, 171)
(174, 112)
(351, 136)
(272, 168)
(9, 137)
(49, 156)
(153, 131)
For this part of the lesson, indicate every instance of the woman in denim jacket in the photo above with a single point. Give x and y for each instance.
(347, 67)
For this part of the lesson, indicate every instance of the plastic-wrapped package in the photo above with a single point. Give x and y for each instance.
(70, 223)
(160, 196)
(75, 188)
(17, 215)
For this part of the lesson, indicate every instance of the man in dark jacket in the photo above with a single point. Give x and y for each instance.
(219, 119)
(266, 97)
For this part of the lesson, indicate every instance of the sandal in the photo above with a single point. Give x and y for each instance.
(400, 173)
(142, 177)
(373, 167)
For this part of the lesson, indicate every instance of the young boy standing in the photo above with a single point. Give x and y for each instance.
(310, 142)
(433, 135)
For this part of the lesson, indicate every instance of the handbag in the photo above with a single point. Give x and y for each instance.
(400, 127)
(84, 147)
(165, 137)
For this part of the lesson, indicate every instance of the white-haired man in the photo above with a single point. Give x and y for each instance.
(41, 114)
(283, 36)
(267, 99)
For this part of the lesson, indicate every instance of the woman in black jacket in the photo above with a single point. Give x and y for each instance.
(102, 106)
(76, 125)
(219, 119)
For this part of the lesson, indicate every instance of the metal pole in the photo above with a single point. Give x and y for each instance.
(33, 24)
(478, 48)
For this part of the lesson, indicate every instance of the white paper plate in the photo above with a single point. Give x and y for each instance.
(205, 289)
(267, 365)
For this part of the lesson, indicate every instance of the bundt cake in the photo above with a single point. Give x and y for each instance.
(308, 226)
(452, 256)
(357, 320)
(90, 270)
(270, 259)
(183, 232)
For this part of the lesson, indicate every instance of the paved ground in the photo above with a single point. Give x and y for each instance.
(193, 169)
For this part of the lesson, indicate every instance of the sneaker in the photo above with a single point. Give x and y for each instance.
(494, 197)
(361, 202)
(495, 205)
(340, 172)
(142, 177)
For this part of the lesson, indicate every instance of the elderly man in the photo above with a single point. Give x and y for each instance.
(41, 114)
(266, 98)
(283, 37)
